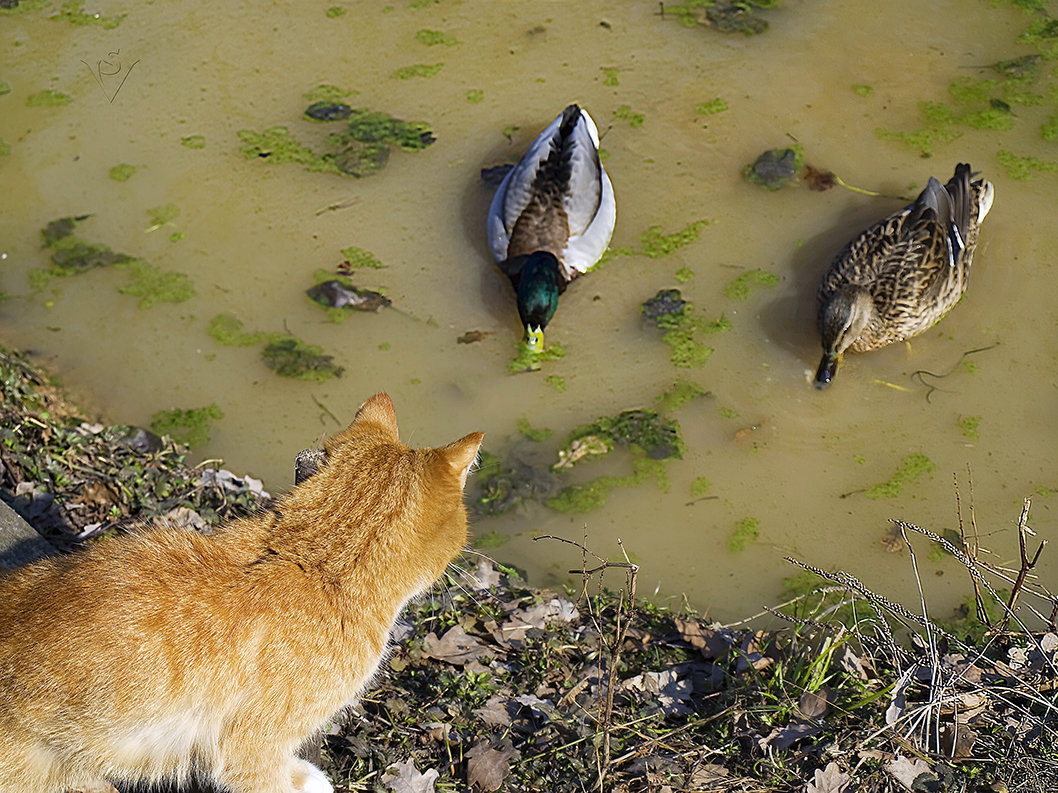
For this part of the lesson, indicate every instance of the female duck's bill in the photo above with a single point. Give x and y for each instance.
(552, 217)
(903, 274)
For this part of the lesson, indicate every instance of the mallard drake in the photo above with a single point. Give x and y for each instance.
(903, 274)
(552, 217)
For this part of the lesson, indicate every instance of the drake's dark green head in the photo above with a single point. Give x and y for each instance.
(539, 285)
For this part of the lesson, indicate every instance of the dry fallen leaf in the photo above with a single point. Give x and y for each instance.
(829, 780)
(488, 766)
(404, 778)
(813, 704)
(455, 647)
(907, 772)
(711, 644)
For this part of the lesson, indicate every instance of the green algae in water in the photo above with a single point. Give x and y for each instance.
(48, 98)
(154, 285)
(686, 352)
(194, 141)
(609, 76)
(5, 87)
(475, 96)
(527, 360)
(328, 93)
(911, 469)
(1024, 168)
(490, 539)
(712, 107)
(336, 11)
(684, 274)
(970, 427)
(968, 90)
(740, 288)
(700, 486)
(433, 38)
(654, 244)
(589, 496)
(289, 356)
(370, 126)
(679, 395)
(277, 145)
(557, 382)
(746, 531)
(123, 172)
(227, 329)
(73, 12)
(5, 148)
(191, 426)
(728, 413)
(625, 113)
(161, 215)
(359, 258)
(862, 90)
(653, 434)
(417, 70)
(536, 435)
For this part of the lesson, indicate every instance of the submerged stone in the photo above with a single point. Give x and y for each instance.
(288, 356)
(335, 294)
(328, 111)
(775, 168)
(664, 308)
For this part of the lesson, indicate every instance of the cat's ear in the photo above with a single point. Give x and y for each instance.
(462, 454)
(379, 410)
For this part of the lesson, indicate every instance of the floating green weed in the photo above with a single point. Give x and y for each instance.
(154, 285)
(433, 38)
(911, 469)
(161, 215)
(728, 413)
(191, 426)
(289, 356)
(625, 113)
(740, 288)
(746, 531)
(528, 360)
(324, 92)
(536, 435)
(417, 70)
(277, 145)
(712, 107)
(863, 90)
(194, 141)
(970, 426)
(700, 486)
(1024, 168)
(358, 258)
(227, 329)
(48, 98)
(336, 11)
(557, 382)
(490, 539)
(5, 148)
(123, 172)
(609, 76)
(589, 496)
(682, 392)
(684, 274)
(73, 12)
(475, 96)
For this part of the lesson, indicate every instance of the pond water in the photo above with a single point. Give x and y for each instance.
(764, 450)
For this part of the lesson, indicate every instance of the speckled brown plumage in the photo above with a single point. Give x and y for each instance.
(902, 275)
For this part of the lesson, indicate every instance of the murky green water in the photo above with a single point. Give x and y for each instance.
(778, 456)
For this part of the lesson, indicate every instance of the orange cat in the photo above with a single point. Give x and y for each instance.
(167, 654)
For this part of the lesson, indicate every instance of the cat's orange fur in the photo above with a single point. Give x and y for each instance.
(166, 653)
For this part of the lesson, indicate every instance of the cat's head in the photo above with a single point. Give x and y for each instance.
(397, 504)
